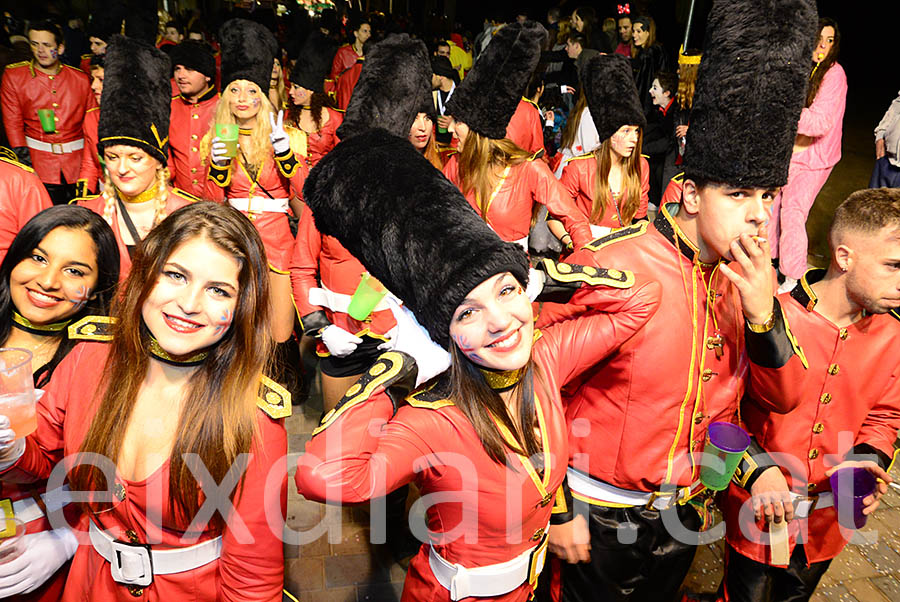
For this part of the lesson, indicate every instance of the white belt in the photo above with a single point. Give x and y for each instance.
(57, 148)
(600, 490)
(136, 564)
(339, 302)
(598, 231)
(490, 580)
(27, 509)
(260, 204)
(804, 505)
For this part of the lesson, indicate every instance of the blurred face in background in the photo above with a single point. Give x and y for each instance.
(625, 30)
(640, 35)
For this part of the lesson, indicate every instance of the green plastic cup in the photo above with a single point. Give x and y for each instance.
(368, 295)
(441, 130)
(48, 120)
(727, 442)
(228, 133)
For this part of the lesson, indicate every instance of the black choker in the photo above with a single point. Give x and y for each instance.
(159, 353)
(47, 330)
(245, 131)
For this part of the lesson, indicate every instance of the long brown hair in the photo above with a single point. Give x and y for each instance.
(573, 120)
(478, 161)
(218, 417)
(819, 71)
(317, 103)
(687, 82)
(631, 183)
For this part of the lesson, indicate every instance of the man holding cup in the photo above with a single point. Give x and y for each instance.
(843, 380)
(44, 104)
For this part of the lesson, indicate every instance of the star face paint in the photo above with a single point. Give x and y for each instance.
(224, 321)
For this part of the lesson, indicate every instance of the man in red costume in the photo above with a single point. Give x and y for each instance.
(40, 84)
(21, 197)
(347, 55)
(90, 173)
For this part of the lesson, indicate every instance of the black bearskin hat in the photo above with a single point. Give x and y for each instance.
(136, 98)
(395, 82)
(105, 23)
(488, 96)
(408, 225)
(196, 56)
(248, 52)
(751, 88)
(314, 63)
(611, 94)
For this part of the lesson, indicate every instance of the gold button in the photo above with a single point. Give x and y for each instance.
(195, 116)
(613, 273)
(818, 428)
(545, 501)
(135, 591)
(811, 487)
(590, 271)
(843, 334)
(52, 91)
(698, 418)
(707, 374)
(55, 105)
(119, 490)
(564, 268)
(193, 170)
(194, 148)
(833, 369)
(538, 534)
(813, 453)
(193, 136)
(825, 398)
(194, 181)
(131, 535)
(51, 76)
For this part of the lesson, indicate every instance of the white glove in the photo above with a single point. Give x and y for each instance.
(11, 449)
(281, 142)
(340, 343)
(410, 338)
(535, 283)
(44, 553)
(217, 152)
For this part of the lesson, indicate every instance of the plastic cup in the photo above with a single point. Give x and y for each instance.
(228, 133)
(728, 442)
(48, 120)
(368, 295)
(850, 486)
(12, 539)
(441, 130)
(17, 401)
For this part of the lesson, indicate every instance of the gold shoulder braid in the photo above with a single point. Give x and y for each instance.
(154, 348)
(55, 329)
(502, 380)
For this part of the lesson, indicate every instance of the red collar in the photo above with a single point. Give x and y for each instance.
(667, 107)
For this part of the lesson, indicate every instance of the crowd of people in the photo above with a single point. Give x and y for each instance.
(481, 243)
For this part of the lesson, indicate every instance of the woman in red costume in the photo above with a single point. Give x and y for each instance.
(62, 266)
(500, 180)
(610, 186)
(487, 433)
(133, 138)
(188, 348)
(266, 173)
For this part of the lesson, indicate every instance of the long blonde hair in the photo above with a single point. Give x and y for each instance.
(479, 161)
(260, 149)
(631, 182)
(162, 195)
(687, 81)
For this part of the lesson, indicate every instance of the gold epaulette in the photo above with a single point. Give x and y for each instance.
(571, 272)
(185, 195)
(428, 400)
(584, 156)
(92, 328)
(12, 161)
(92, 109)
(273, 399)
(19, 64)
(678, 178)
(74, 69)
(636, 229)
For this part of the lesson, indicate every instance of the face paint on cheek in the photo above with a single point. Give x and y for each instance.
(463, 343)
(54, 54)
(80, 297)
(224, 322)
(255, 102)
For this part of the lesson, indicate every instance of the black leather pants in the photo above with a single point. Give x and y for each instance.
(747, 580)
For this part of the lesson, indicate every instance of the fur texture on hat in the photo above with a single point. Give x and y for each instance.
(611, 94)
(751, 88)
(314, 63)
(488, 96)
(248, 52)
(136, 98)
(394, 83)
(408, 225)
(105, 23)
(196, 56)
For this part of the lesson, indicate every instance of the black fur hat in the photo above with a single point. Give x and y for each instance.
(751, 88)
(611, 94)
(248, 52)
(488, 96)
(195, 55)
(408, 225)
(394, 83)
(105, 23)
(136, 98)
(314, 63)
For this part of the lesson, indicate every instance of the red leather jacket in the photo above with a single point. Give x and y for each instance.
(344, 58)
(578, 177)
(22, 196)
(90, 172)
(846, 393)
(188, 123)
(526, 127)
(508, 211)
(674, 189)
(346, 83)
(319, 143)
(492, 512)
(25, 90)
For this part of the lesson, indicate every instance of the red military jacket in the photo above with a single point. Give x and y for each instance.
(22, 196)
(490, 512)
(319, 143)
(25, 90)
(97, 203)
(578, 177)
(344, 58)
(846, 387)
(346, 83)
(244, 571)
(526, 127)
(636, 418)
(90, 172)
(322, 261)
(188, 123)
(674, 189)
(508, 211)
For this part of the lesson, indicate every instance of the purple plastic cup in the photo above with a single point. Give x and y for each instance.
(850, 486)
(728, 442)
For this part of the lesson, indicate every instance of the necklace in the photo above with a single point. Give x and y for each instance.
(154, 348)
(23, 323)
(502, 380)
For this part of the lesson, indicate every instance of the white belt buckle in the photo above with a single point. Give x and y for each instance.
(803, 506)
(460, 586)
(57, 148)
(131, 563)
